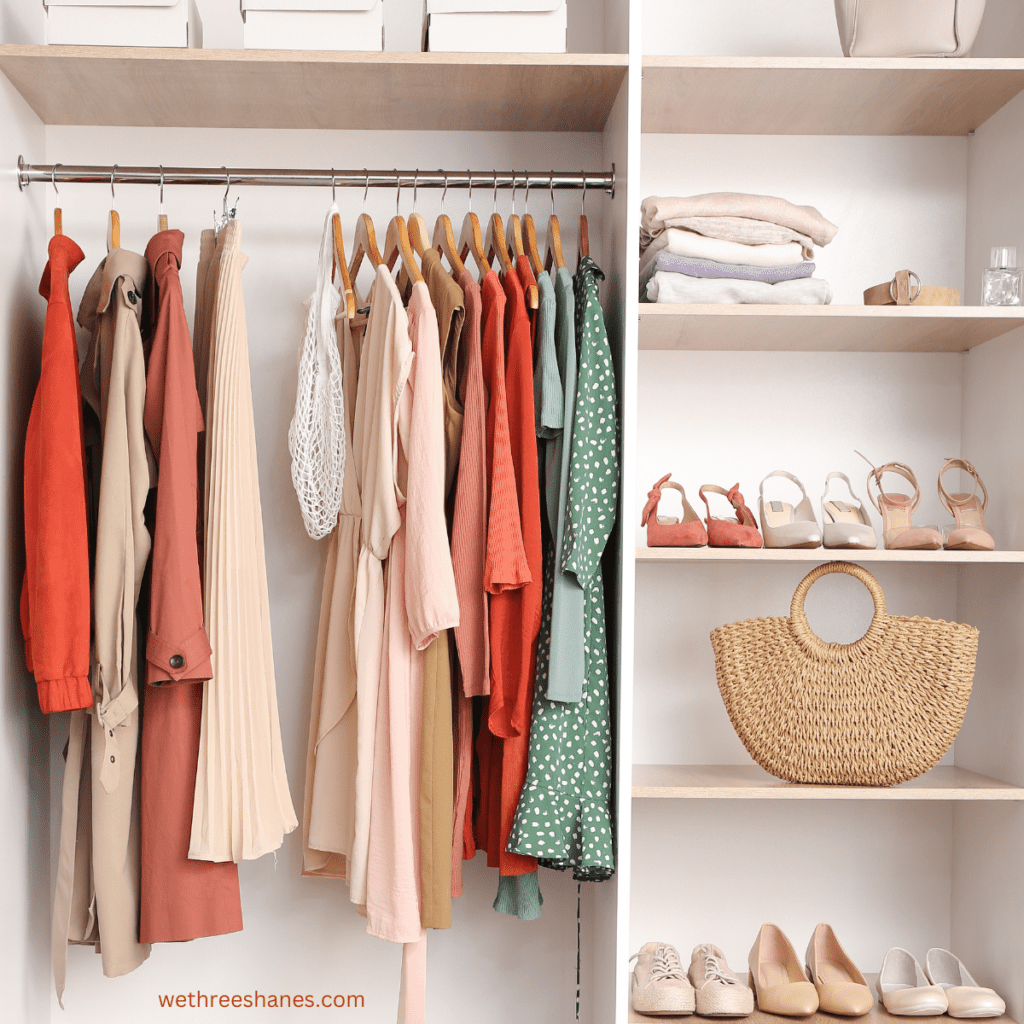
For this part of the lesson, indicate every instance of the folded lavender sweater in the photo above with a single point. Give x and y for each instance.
(692, 267)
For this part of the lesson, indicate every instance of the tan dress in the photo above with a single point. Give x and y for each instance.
(330, 797)
(242, 806)
(436, 744)
(97, 896)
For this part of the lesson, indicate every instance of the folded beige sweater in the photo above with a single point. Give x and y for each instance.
(658, 210)
(734, 229)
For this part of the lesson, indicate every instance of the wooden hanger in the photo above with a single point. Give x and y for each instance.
(470, 239)
(553, 254)
(494, 240)
(113, 221)
(365, 241)
(530, 235)
(444, 237)
(347, 292)
(397, 244)
(57, 216)
(514, 237)
(583, 247)
(419, 235)
(161, 220)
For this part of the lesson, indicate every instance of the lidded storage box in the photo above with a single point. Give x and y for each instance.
(497, 26)
(313, 25)
(123, 23)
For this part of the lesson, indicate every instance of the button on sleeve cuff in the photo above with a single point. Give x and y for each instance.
(186, 660)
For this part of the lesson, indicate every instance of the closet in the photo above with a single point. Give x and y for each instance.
(916, 161)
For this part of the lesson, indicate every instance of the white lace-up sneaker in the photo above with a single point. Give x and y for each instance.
(658, 984)
(719, 992)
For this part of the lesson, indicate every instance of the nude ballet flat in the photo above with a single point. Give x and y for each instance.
(841, 987)
(845, 524)
(777, 978)
(898, 532)
(966, 998)
(784, 525)
(904, 988)
(969, 533)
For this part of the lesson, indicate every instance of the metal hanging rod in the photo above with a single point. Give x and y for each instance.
(122, 174)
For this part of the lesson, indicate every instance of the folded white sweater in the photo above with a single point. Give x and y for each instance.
(686, 243)
(807, 291)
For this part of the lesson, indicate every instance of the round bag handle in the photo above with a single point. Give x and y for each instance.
(802, 628)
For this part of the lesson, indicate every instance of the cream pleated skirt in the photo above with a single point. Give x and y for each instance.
(242, 806)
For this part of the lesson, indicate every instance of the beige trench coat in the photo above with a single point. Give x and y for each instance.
(97, 898)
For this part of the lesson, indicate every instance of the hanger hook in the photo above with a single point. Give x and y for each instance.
(227, 189)
(53, 178)
(366, 189)
(526, 201)
(469, 178)
(513, 193)
(161, 184)
(398, 191)
(334, 185)
(445, 192)
(113, 171)
(494, 201)
(583, 195)
(551, 192)
(415, 188)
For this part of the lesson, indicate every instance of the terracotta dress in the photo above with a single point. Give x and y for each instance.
(242, 806)
(97, 897)
(181, 898)
(330, 797)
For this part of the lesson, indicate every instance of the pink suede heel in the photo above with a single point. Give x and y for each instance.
(667, 531)
(740, 532)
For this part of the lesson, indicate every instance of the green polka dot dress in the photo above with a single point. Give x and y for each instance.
(564, 815)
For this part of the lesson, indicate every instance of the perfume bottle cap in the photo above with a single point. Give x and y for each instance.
(1003, 257)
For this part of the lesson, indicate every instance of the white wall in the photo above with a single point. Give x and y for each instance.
(24, 778)
(758, 28)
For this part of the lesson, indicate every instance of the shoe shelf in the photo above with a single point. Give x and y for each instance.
(707, 554)
(749, 782)
(188, 88)
(825, 95)
(877, 1015)
(752, 328)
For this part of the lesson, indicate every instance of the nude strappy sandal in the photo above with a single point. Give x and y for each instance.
(668, 531)
(898, 531)
(845, 525)
(784, 525)
(740, 532)
(969, 532)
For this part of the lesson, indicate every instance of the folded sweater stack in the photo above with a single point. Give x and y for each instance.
(731, 247)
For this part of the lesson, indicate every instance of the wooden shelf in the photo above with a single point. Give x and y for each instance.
(752, 328)
(878, 1015)
(749, 782)
(707, 554)
(826, 95)
(165, 88)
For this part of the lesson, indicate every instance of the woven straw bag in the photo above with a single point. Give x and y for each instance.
(881, 710)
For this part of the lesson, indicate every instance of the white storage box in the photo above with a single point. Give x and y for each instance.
(123, 23)
(313, 24)
(497, 26)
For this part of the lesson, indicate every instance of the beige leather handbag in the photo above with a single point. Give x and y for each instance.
(908, 28)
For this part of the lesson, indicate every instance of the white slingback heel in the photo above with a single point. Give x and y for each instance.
(845, 524)
(784, 525)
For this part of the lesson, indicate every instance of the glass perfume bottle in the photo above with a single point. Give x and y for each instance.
(1003, 283)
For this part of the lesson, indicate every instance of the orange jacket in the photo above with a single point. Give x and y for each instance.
(55, 614)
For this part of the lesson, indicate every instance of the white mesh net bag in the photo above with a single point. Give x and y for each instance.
(316, 435)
